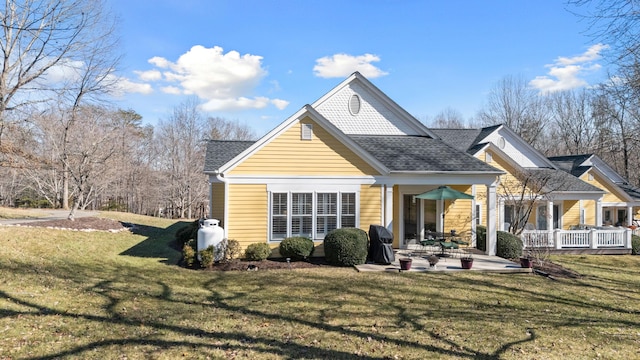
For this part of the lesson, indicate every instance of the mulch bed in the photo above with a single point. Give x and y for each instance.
(270, 264)
(553, 270)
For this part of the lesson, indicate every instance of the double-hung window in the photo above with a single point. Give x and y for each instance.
(301, 214)
(310, 214)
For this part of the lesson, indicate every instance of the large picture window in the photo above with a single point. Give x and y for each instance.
(310, 214)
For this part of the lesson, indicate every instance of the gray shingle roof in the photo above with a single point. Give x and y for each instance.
(419, 153)
(560, 180)
(466, 140)
(219, 152)
(571, 163)
(631, 190)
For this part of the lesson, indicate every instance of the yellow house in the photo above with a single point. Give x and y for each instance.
(534, 192)
(353, 158)
(621, 200)
(564, 202)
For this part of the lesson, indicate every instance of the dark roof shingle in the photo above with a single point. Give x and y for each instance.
(419, 153)
(219, 152)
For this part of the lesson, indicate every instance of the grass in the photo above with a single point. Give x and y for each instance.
(114, 296)
(17, 213)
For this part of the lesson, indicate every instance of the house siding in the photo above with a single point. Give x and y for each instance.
(288, 154)
(247, 213)
(600, 183)
(458, 213)
(217, 202)
(571, 214)
(370, 206)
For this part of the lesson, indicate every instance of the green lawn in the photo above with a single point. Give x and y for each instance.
(115, 296)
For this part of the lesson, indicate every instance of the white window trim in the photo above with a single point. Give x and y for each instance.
(314, 197)
(477, 207)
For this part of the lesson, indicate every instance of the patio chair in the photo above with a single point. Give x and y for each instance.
(428, 245)
(449, 246)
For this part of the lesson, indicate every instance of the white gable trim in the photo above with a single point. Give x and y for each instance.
(401, 113)
(305, 111)
(534, 156)
(618, 191)
(605, 169)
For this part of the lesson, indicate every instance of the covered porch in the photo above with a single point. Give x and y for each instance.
(598, 240)
(415, 218)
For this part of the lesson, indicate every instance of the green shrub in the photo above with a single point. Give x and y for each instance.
(481, 237)
(296, 248)
(346, 247)
(231, 250)
(188, 232)
(206, 257)
(257, 252)
(635, 244)
(189, 253)
(509, 246)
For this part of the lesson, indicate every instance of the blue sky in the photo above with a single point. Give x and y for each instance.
(258, 62)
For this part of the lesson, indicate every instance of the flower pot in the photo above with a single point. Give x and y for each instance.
(466, 263)
(405, 264)
(526, 262)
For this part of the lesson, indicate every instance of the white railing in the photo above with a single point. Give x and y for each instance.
(572, 239)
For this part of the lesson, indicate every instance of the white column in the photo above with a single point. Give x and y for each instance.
(388, 209)
(500, 212)
(492, 237)
(599, 212)
(550, 215)
(629, 215)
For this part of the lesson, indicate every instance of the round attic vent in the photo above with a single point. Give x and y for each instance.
(354, 104)
(501, 142)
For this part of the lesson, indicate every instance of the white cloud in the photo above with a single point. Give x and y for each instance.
(150, 75)
(235, 104)
(173, 90)
(342, 65)
(280, 104)
(225, 81)
(124, 86)
(568, 73)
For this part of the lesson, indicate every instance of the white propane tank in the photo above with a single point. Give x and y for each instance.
(210, 234)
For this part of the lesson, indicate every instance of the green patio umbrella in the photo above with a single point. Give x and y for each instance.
(443, 193)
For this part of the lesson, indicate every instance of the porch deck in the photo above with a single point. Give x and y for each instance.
(613, 241)
(481, 263)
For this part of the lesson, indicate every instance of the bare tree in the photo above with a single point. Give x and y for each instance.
(221, 129)
(37, 36)
(90, 160)
(449, 118)
(617, 24)
(513, 103)
(574, 120)
(181, 138)
(524, 189)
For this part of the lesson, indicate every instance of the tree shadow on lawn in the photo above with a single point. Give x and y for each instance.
(225, 298)
(158, 243)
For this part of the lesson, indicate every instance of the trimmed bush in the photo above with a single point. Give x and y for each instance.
(257, 252)
(481, 237)
(635, 244)
(231, 250)
(296, 248)
(346, 247)
(207, 257)
(189, 253)
(509, 246)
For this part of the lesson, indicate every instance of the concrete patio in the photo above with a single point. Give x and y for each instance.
(481, 263)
